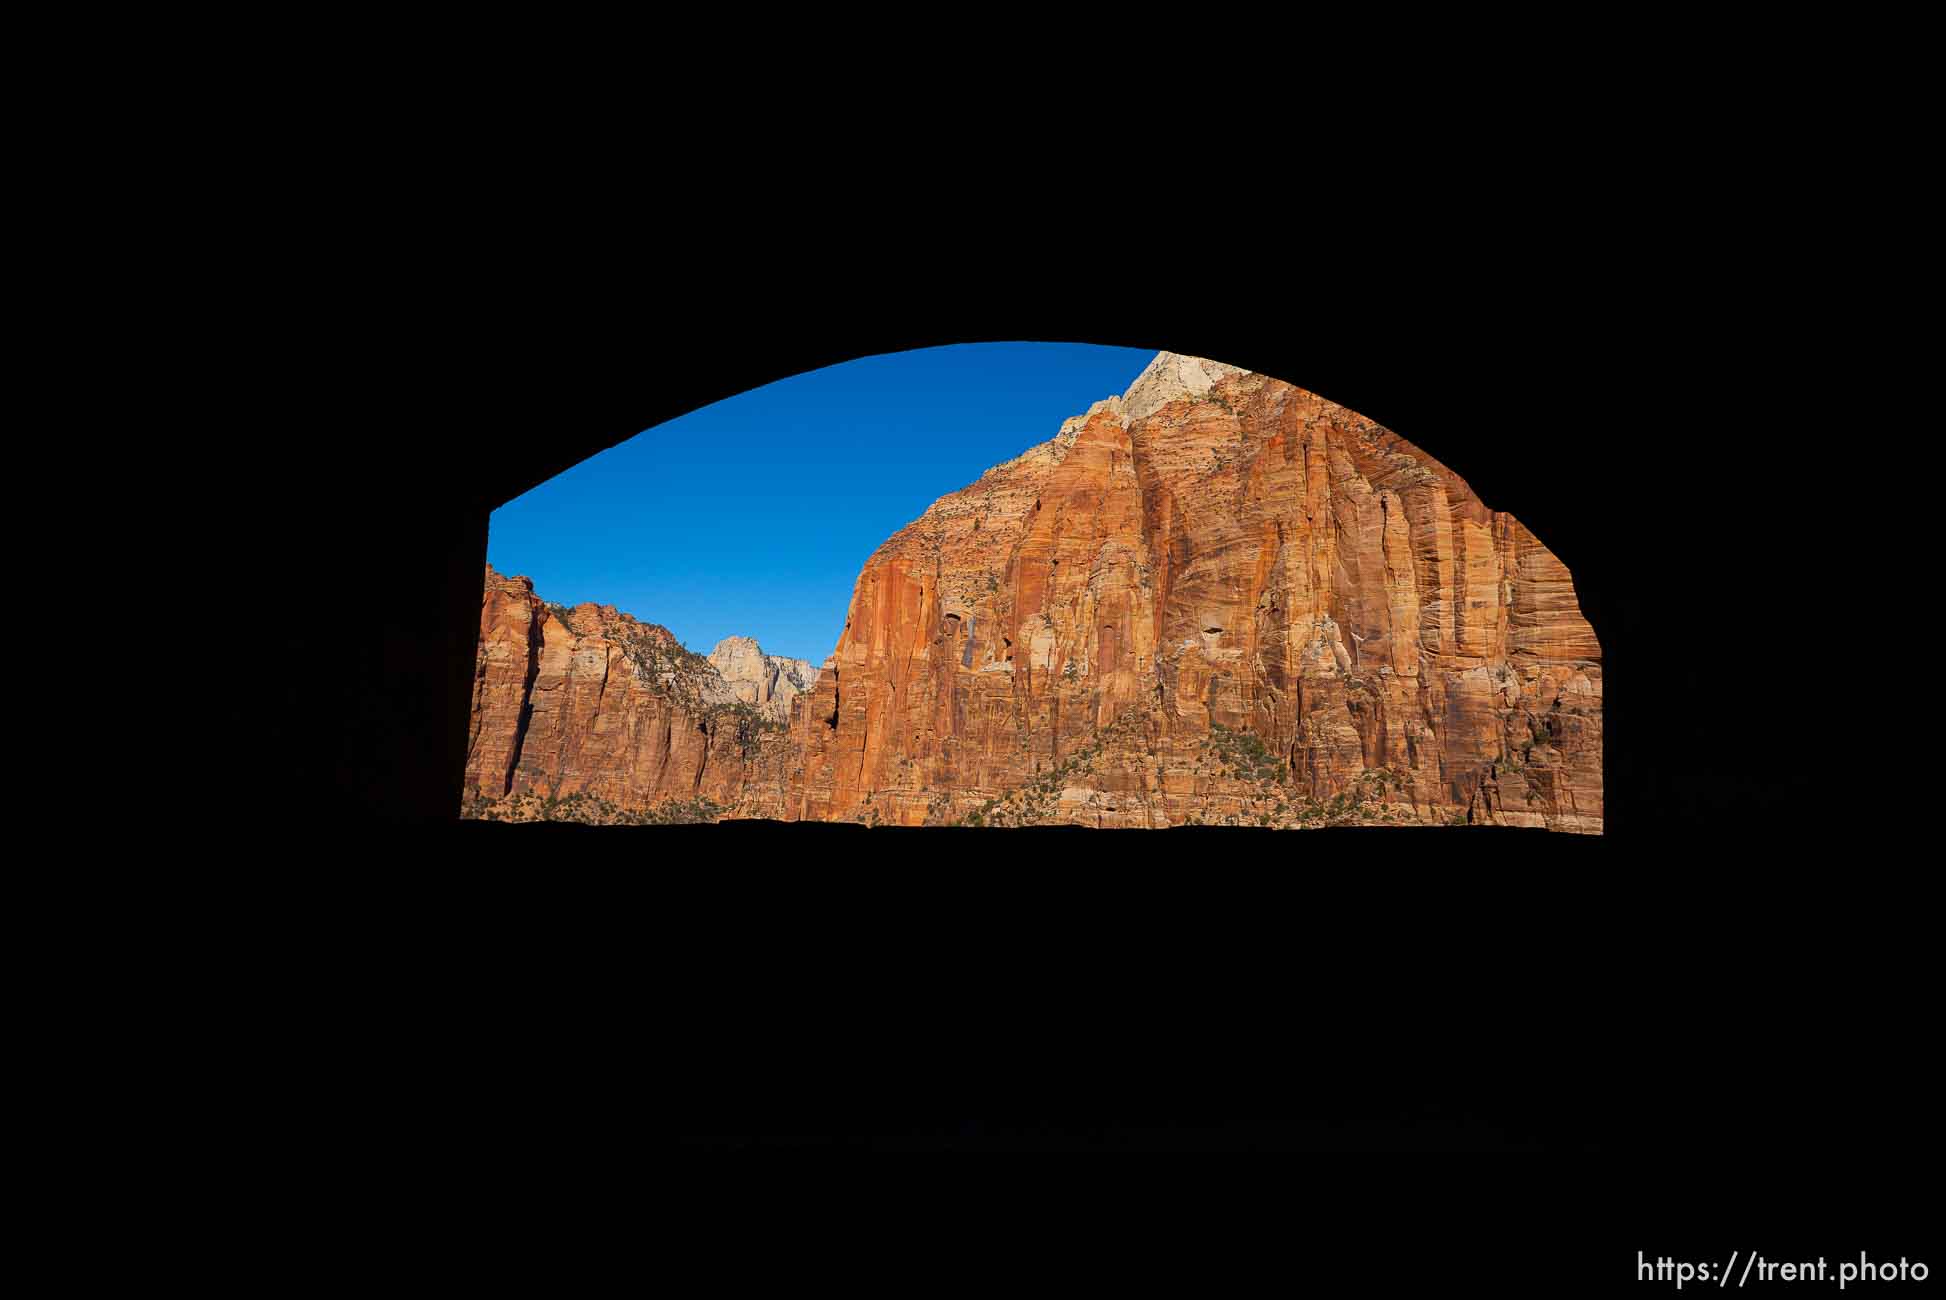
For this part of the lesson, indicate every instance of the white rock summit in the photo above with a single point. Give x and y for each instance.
(770, 682)
(1170, 377)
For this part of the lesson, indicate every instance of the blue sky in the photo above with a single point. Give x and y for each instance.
(752, 516)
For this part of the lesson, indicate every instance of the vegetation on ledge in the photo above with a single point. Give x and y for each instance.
(588, 809)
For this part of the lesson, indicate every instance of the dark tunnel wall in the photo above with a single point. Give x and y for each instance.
(418, 524)
(382, 451)
(351, 424)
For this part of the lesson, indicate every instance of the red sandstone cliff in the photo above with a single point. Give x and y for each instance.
(1217, 598)
(591, 713)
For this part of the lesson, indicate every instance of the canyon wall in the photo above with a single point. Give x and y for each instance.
(1217, 598)
(590, 712)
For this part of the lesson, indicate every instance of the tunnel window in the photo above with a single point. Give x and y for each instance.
(721, 565)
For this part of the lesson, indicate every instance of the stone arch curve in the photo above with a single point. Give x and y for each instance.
(420, 426)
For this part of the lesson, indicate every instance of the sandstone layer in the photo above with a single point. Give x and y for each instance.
(1217, 598)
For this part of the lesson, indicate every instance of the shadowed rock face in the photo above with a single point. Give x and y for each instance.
(1216, 598)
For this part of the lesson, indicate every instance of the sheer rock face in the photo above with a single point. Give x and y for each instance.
(769, 682)
(1215, 571)
(1217, 598)
(591, 701)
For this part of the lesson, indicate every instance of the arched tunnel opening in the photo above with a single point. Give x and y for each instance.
(356, 730)
(438, 980)
(1462, 627)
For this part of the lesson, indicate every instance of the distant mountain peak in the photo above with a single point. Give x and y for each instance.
(767, 681)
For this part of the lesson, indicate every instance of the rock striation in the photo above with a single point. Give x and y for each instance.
(592, 713)
(1215, 599)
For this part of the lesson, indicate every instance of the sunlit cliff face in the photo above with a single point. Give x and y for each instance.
(1216, 598)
